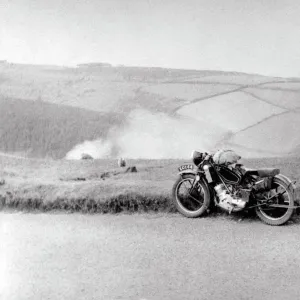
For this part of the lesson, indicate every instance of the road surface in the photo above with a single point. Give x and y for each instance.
(147, 256)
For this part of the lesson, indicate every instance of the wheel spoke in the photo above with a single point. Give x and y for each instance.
(186, 188)
(189, 189)
(276, 195)
(198, 201)
(281, 206)
(275, 205)
(189, 195)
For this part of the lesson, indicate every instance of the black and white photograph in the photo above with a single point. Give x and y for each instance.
(149, 150)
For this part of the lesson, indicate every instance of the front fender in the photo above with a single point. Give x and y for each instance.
(201, 176)
(185, 172)
(201, 179)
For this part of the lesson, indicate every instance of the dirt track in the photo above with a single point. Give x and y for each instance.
(47, 256)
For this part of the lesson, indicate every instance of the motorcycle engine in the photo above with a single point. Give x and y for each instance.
(229, 202)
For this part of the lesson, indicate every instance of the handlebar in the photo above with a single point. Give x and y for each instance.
(206, 158)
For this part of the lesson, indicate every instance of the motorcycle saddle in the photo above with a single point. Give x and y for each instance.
(264, 172)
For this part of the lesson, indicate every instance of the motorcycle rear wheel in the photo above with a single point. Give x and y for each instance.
(278, 216)
(192, 202)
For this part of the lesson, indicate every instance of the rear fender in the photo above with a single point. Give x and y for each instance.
(266, 183)
(288, 181)
(291, 185)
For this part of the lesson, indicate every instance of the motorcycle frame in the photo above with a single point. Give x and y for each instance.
(211, 163)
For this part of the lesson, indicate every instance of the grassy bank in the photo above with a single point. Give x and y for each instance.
(99, 186)
(86, 186)
(128, 202)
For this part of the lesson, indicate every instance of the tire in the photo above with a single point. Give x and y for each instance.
(186, 204)
(264, 213)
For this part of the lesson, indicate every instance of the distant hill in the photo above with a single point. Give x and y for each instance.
(47, 110)
(94, 65)
(39, 129)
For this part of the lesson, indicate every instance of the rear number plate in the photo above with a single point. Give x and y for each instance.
(185, 167)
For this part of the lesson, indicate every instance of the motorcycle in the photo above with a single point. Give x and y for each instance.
(216, 181)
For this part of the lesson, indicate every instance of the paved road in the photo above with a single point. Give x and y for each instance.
(47, 256)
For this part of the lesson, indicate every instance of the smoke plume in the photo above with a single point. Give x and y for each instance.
(153, 136)
(97, 149)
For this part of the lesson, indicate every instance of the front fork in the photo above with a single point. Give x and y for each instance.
(201, 177)
(195, 181)
(198, 177)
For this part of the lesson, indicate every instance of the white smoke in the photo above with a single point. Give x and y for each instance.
(97, 149)
(161, 136)
(154, 136)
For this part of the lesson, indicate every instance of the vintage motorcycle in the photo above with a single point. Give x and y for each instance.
(217, 180)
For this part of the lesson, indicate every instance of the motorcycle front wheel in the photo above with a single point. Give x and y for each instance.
(280, 205)
(191, 198)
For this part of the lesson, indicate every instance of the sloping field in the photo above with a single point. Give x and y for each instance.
(293, 85)
(235, 111)
(188, 91)
(39, 129)
(281, 98)
(78, 89)
(220, 103)
(234, 78)
(276, 135)
(100, 96)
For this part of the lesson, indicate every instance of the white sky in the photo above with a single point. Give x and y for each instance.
(236, 35)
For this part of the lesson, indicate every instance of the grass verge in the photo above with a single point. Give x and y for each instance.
(46, 185)
(131, 202)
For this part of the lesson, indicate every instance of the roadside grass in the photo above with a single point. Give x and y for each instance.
(99, 186)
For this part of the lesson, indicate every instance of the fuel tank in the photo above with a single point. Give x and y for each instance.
(229, 176)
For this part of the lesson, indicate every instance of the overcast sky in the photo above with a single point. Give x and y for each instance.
(257, 36)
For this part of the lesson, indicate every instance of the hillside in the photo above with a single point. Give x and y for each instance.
(40, 129)
(145, 112)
